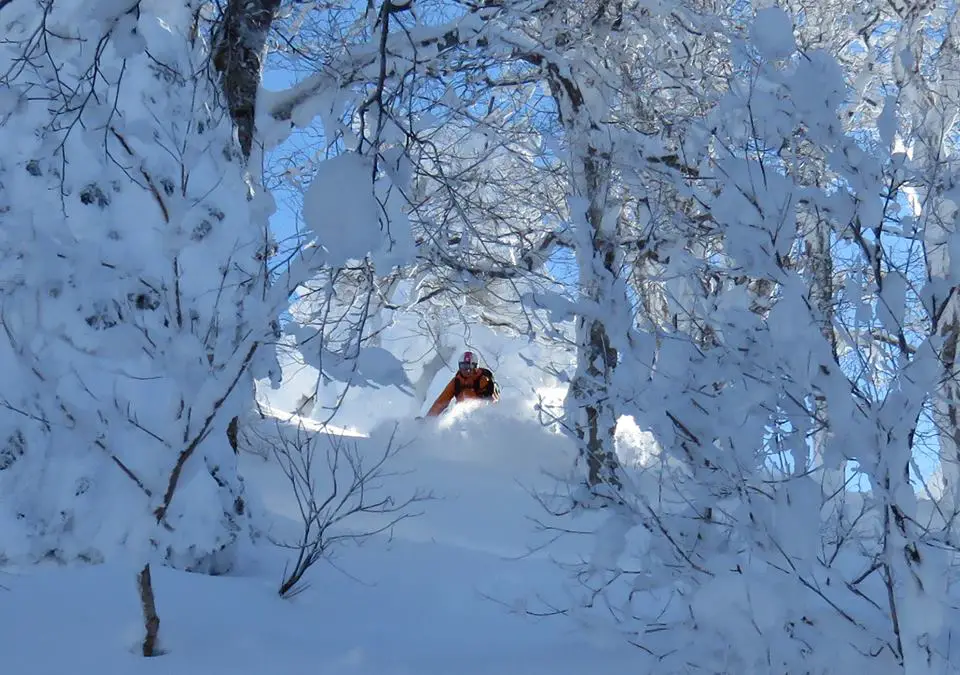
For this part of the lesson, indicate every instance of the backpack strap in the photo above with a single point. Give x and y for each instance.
(491, 387)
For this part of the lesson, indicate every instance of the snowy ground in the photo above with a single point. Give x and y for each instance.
(435, 598)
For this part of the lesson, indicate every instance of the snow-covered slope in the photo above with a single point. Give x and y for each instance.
(443, 595)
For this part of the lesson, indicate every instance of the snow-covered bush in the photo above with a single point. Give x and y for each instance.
(343, 496)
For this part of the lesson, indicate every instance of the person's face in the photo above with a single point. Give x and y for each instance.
(467, 367)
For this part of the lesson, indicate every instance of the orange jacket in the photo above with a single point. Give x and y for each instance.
(463, 387)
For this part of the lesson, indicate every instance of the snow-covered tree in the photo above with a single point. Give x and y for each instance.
(136, 305)
(724, 539)
(135, 300)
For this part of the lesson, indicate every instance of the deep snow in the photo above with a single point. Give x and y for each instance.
(444, 594)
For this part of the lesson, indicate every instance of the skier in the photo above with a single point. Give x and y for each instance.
(470, 382)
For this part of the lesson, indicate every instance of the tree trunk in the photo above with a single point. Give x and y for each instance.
(591, 403)
(238, 57)
(595, 352)
(601, 419)
(151, 621)
(946, 412)
(823, 293)
(938, 234)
